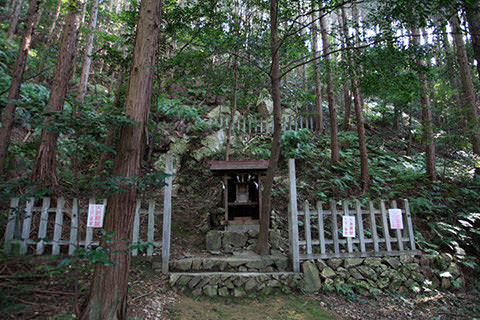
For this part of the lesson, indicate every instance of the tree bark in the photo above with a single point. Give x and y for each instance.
(87, 61)
(45, 168)
(109, 287)
(234, 109)
(16, 83)
(319, 126)
(262, 246)
(427, 123)
(335, 156)
(472, 10)
(467, 84)
(364, 173)
(14, 19)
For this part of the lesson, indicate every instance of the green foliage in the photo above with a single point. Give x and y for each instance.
(297, 144)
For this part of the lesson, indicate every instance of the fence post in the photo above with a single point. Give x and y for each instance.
(57, 232)
(27, 223)
(293, 217)
(12, 220)
(73, 244)
(167, 212)
(42, 228)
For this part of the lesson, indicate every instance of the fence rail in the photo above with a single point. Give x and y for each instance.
(37, 230)
(316, 233)
(257, 125)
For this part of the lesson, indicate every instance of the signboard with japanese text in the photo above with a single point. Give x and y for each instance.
(396, 219)
(95, 215)
(349, 226)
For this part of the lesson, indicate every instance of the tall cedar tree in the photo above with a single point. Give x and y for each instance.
(18, 70)
(109, 287)
(45, 168)
(470, 98)
(262, 246)
(362, 141)
(319, 126)
(330, 94)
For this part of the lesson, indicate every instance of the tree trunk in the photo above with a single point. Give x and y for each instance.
(262, 246)
(467, 84)
(234, 109)
(319, 126)
(16, 83)
(364, 173)
(347, 98)
(45, 168)
(331, 99)
(14, 19)
(87, 61)
(472, 10)
(109, 287)
(427, 129)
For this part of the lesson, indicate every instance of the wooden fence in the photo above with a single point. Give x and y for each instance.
(318, 234)
(256, 125)
(35, 230)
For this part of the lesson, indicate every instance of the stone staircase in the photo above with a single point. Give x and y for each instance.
(241, 274)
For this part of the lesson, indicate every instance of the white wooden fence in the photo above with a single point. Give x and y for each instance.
(316, 233)
(257, 125)
(35, 229)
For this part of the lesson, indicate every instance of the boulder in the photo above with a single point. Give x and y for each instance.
(334, 263)
(223, 292)
(392, 262)
(373, 262)
(352, 262)
(213, 240)
(321, 265)
(328, 273)
(311, 278)
(250, 284)
(367, 272)
(234, 239)
(184, 264)
(239, 292)
(210, 291)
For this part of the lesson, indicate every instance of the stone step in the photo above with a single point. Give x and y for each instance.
(234, 283)
(241, 263)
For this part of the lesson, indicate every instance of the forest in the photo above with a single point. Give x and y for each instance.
(373, 99)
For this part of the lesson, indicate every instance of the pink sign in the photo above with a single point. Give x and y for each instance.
(95, 215)
(349, 226)
(396, 219)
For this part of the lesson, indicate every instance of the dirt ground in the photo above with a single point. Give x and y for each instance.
(36, 288)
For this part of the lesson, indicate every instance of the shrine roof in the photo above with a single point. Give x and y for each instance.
(245, 166)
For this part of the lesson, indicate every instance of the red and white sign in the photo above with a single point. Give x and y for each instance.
(349, 226)
(396, 219)
(95, 215)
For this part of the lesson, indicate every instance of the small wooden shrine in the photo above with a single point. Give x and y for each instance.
(242, 181)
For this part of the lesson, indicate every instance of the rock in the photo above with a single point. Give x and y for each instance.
(334, 263)
(208, 264)
(196, 264)
(329, 282)
(392, 262)
(352, 262)
(253, 233)
(281, 262)
(234, 239)
(367, 272)
(435, 282)
(213, 240)
(223, 292)
(210, 291)
(250, 284)
(275, 239)
(311, 278)
(382, 283)
(274, 284)
(264, 103)
(328, 273)
(412, 266)
(342, 272)
(321, 265)
(417, 276)
(184, 264)
(197, 292)
(242, 269)
(193, 283)
(238, 292)
(407, 259)
(372, 262)
(255, 264)
(396, 284)
(356, 274)
(173, 279)
(453, 269)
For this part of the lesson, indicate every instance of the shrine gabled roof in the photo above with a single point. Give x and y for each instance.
(245, 166)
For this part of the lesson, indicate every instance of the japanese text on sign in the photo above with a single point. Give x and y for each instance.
(396, 220)
(95, 215)
(349, 226)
